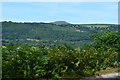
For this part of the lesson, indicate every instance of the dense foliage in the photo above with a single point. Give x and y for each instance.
(107, 39)
(57, 61)
(27, 51)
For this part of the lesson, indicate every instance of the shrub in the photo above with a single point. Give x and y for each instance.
(107, 40)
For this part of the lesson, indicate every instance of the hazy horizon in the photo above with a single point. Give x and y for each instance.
(54, 21)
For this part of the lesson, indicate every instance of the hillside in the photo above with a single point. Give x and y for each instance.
(32, 50)
(60, 22)
(49, 33)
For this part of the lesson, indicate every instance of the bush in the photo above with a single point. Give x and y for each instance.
(23, 62)
(55, 61)
(107, 40)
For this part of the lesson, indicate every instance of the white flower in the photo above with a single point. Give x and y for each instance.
(3, 46)
(18, 47)
(34, 47)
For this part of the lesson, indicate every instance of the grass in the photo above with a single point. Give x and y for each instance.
(107, 71)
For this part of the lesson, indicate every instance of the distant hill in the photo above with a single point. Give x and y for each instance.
(60, 22)
(47, 33)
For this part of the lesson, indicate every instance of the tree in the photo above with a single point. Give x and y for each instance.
(106, 40)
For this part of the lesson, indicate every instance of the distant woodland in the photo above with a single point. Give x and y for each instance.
(51, 33)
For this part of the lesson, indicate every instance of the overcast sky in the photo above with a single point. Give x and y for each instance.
(74, 12)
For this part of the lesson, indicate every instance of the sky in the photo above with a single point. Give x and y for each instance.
(60, 0)
(73, 12)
